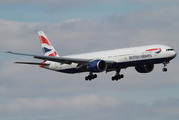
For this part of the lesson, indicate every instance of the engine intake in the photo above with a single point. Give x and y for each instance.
(144, 68)
(97, 66)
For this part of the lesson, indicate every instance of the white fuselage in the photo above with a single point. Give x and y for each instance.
(125, 57)
(142, 58)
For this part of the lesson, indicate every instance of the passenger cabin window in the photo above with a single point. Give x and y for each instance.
(169, 49)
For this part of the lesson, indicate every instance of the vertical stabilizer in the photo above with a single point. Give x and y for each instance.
(47, 47)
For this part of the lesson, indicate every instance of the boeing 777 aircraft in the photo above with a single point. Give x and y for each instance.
(142, 58)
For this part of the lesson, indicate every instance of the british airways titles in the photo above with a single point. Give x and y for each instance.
(140, 56)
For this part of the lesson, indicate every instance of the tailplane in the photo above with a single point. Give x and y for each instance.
(47, 47)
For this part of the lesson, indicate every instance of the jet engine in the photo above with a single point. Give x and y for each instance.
(144, 68)
(97, 66)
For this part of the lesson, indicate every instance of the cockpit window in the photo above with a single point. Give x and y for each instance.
(169, 49)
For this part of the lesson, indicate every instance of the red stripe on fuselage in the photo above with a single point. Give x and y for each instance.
(153, 49)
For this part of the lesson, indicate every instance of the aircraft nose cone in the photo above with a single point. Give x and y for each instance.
(174, 54)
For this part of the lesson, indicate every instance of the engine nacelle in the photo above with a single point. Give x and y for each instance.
(144, 68)
(97, 66)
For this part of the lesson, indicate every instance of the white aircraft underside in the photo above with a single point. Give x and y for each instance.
(142, 58)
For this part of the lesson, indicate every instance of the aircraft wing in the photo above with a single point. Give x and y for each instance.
(63, 60)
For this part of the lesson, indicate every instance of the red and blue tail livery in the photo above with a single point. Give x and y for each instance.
(142, 58)
(47, 47)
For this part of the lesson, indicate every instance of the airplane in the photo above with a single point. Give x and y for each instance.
(142, 58)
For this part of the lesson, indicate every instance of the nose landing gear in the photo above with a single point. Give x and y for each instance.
(165, 64)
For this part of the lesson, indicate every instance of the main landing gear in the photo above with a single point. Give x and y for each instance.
(117, 76)
(90, 76)
(165, 64)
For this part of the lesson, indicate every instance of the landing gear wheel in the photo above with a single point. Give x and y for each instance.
(165, 64)
(164, 69)
(117, 76)
(113, 78)
(95, 76)
(122, 76)
(90, 77)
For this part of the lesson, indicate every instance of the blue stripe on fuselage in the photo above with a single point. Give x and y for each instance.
(123, 64)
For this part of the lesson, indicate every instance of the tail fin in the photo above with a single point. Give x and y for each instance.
(47, 47)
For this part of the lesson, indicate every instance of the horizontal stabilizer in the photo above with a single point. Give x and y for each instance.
(32, 63)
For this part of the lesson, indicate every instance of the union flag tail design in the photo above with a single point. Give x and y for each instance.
(47, 47)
